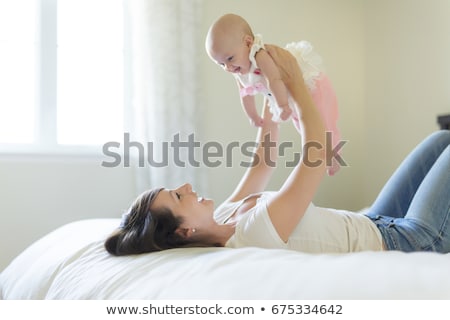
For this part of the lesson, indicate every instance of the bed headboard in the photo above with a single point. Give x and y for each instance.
(444, 121)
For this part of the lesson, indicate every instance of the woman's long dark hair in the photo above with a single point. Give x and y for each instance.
(142, 230)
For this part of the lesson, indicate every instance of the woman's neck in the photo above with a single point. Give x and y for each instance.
(223, 233)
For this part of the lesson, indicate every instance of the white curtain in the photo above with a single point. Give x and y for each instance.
(166, 48)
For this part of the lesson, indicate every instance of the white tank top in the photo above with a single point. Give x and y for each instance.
(321, 230)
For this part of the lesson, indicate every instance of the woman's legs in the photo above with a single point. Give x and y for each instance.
(396, 196)
(430, 207)
(419, 191)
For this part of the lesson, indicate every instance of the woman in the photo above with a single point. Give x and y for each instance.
(412, 213)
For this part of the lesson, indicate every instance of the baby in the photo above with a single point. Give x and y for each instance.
(230, 42)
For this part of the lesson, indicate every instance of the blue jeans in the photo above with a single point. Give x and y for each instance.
(412, 210)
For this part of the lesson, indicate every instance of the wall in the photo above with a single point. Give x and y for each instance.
(41, 193)
(408, 78)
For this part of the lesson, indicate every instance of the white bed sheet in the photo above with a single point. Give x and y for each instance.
(71, 263)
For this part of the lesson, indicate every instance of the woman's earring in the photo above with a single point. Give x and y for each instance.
(194, 230)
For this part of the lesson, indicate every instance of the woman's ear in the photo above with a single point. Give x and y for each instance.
(184, 232)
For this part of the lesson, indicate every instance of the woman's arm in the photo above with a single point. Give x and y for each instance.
(258, 175)
(288, 206)
(270, 71)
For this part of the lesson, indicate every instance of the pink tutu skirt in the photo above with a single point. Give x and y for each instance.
(322, 93)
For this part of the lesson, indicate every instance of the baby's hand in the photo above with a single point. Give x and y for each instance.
(256, 121)
(286, 113)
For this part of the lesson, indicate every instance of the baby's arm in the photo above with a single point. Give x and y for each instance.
(275, 83)
(248, 103)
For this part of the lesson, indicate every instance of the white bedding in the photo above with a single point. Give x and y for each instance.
(70, 263)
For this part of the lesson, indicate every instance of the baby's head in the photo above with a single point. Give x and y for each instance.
(228, 43)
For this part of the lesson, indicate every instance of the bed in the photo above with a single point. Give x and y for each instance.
(70, 263)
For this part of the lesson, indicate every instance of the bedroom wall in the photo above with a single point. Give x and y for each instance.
(41, 193)
(408, 79)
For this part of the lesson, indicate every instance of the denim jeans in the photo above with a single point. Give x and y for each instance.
(412, 210)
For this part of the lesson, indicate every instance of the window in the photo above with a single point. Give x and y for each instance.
(17, 76)
(64, 72)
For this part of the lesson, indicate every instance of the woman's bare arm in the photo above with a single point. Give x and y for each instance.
(258, 175)
(289, 205)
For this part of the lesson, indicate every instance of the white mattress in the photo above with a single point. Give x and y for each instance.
(71, 263)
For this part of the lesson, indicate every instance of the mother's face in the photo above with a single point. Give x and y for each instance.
(184, 203)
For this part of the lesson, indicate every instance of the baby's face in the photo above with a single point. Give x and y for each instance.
(231, 53)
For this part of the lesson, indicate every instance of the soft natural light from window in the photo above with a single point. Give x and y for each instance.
(90, 71)
(17, 71)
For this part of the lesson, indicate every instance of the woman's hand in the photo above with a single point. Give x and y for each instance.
(289, 69)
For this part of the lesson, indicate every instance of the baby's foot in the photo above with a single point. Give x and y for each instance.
(296, 123)
(335, 166)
